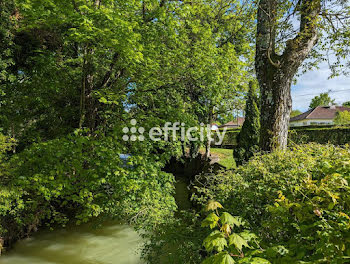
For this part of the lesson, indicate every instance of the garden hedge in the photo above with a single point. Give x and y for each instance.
(322, 135)
(339, 135)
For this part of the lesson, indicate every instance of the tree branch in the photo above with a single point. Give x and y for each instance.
(108, 74)
(298, 48)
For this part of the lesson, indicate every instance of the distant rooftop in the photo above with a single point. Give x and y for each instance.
(238, 122)
(321, 112)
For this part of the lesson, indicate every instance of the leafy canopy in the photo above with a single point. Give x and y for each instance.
(321, 100)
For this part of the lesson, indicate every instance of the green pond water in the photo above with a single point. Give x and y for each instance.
(111, 243)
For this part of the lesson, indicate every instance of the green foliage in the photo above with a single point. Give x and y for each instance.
(322, 135)
(299, 135)
(226, 245)
(230, 139)
(79, 178)
(321, 100)
(249, 136)
(295, 113)
(93, 66)
(6, 145)
(179, 240)
(342, 118)
(7, 22)
(297, 201)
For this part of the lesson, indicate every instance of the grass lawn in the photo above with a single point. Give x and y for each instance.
(225, 156)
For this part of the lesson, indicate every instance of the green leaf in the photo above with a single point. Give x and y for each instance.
(226, 218)
(237, 241)
(260, 261)
(220, 258)
(247, 235)
(216, 240)
(213, 205)
(211, 220)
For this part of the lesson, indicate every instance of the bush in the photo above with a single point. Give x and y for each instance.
(333, 135)
(230, 138)
(342, 118)
(179, 240)
(297, 201)
(337, 135)
(78, 178)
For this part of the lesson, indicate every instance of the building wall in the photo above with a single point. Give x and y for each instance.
(310, 122)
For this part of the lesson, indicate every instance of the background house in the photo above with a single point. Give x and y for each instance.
(238, 122)
(321, 115)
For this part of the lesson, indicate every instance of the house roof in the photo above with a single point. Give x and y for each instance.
(235, 123)
(321, 112)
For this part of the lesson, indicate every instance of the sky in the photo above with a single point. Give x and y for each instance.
(315, 82)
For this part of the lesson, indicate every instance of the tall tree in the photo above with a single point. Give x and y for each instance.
(321, 100)
(198, 63)
(74, 61)
(7, 22)
(281, 49)
(248, 138)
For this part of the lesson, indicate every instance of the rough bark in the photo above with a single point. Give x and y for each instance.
(208, 142)
(275, 72)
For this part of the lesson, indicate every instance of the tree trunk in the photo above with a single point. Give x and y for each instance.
(208, 142)
(207, 149)
(88, 102)
(275, 72)
(276, 106)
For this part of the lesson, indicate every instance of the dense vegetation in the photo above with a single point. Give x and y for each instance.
(342, 118)
(337, 135)
(297, 202)
(83, 81)
(74, 74)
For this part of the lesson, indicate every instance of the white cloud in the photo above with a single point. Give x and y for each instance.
(315, 82)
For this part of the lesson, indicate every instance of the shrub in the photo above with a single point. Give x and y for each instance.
(322, 135)
(337, 135)
(78, 178)
(226, 245)
(179, 240)
(297, 201)
(342, 118)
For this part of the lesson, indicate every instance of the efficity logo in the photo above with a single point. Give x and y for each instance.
(131, 134)
(174, 131)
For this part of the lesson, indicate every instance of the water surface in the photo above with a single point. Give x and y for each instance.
(112, 243)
